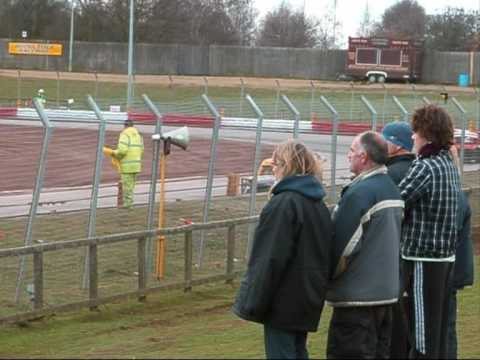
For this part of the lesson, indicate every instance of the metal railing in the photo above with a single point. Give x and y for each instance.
(330, 128)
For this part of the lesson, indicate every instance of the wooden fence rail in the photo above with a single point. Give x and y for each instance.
(140, 293)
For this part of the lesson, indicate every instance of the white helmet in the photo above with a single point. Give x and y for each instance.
(41, 91)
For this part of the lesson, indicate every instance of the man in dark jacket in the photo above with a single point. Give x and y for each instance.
(285, 283)
(399, 139)
(367, 228)
(463, 272)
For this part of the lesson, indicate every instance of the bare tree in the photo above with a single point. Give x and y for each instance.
(404, 19)
(168, 22)
(243, 16)
(40, 18)
(367, 24)
(453, 30)
(92, 23)
(201, 22)
(285, 27)
(210, 23)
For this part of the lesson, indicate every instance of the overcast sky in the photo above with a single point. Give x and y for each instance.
(350, 12)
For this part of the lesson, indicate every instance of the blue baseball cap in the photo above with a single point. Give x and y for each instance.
(399, 133)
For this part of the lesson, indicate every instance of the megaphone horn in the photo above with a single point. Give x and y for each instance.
(178, 137)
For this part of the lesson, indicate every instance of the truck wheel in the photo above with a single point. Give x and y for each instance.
(372, 79)
(381, 79)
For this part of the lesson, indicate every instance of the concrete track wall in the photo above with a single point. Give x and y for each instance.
(438, 67)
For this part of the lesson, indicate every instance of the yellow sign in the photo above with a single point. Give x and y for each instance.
(35, 49)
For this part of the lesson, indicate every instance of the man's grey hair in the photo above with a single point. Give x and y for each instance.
(375, 147)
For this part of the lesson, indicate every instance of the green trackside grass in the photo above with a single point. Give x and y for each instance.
(181, 325)
(185, 99)
(117, 263)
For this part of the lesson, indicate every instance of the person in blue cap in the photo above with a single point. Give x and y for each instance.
(399, 139)
(398, 135)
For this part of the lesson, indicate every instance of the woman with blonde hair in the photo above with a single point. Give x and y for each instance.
(285, 283)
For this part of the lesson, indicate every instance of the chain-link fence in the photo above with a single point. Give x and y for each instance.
(57, 186)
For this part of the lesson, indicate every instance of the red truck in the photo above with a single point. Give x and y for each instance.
(379, 59)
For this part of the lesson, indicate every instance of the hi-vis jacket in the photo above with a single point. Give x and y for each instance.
(367, 230)
(129, 151)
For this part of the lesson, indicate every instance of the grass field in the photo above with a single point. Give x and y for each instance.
(117, 263)
(186, 98)
(178, 325)
(170, 324)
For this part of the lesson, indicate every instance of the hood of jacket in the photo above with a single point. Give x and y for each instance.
(306, 185)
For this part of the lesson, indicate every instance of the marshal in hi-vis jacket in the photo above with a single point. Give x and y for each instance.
(129, 151)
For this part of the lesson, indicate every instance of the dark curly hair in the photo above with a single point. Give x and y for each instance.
(434, 124)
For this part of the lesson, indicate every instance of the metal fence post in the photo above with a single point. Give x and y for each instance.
(384, 103)
(296, 115)
(92, 274)
(414, 89)
(256, 162)
(47, 132)
(211, 170)
(230, 254)
(277, 98)
(38, 280)
(58, 88)
(426, 101)
(401, 108)
(352, 98)
(312, 97)
(153, 181)
(96, 86)
(373, 112)
(463, 118)
(242, 95)
(477, 92)
(92, 215)
(188, 244)
(205, 85)
(141, 267)
(19, 87)
(333, 150)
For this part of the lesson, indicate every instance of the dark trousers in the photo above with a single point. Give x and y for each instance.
(360, 332)
(400, 344)
(427, 284)
(452, 325)
(282, 344)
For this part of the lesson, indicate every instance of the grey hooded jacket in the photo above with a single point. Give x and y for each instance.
(367, 230)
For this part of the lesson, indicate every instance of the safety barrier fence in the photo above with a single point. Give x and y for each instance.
(56, 168)
(43, 255)
(68, 294)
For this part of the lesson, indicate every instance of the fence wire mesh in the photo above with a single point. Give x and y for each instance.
(65, 197)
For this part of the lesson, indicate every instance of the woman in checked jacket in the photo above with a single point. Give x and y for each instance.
(430, 190)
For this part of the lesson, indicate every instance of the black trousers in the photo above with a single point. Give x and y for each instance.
(361, 332)
(428, 285)
(452, 325)
(400, 344)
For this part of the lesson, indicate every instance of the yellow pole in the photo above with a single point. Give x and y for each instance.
(160, 268)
